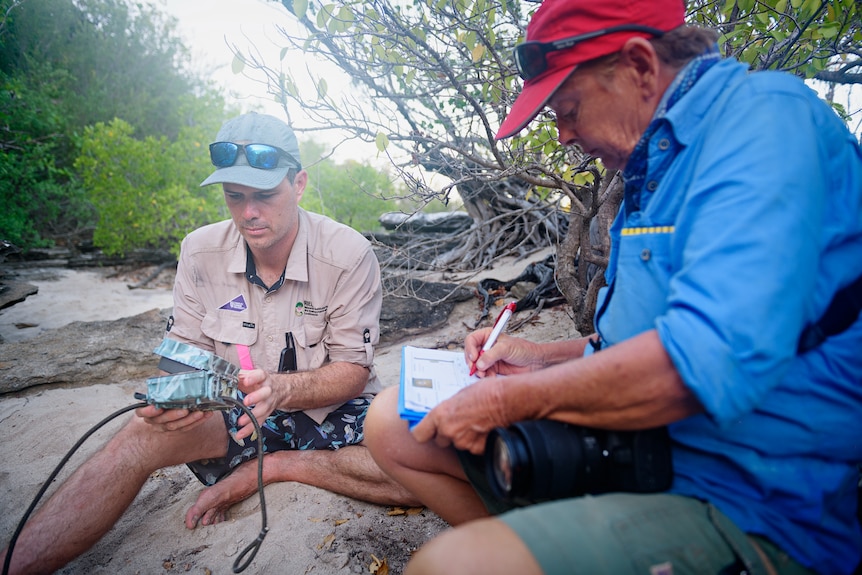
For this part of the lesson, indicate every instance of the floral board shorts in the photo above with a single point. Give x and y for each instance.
(286, 430)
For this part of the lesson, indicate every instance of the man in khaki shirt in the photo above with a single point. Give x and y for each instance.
(245, 287)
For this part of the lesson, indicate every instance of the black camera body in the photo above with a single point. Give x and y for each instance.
(542, 460)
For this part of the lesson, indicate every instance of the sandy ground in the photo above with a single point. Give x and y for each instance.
(310, 530)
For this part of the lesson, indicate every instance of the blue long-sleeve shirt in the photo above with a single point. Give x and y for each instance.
(749, 221)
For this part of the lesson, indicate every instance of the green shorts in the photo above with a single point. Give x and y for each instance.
(627, 533)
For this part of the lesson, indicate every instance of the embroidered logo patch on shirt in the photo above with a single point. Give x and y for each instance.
(305, 308)
(236, 304)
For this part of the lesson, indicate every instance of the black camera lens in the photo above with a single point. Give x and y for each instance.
(508, 463)
(538, 460)
(502, 465)
(542, 460)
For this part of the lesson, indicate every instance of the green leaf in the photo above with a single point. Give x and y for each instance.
(583, 178)
(470, 40)
(830, 30)
(237, 64)
(345, 15)
(300, 7)
(289, 86)
(809, 7)
(382, 141)
(322, 18)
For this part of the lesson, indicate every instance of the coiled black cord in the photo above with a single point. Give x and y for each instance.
(252, 548)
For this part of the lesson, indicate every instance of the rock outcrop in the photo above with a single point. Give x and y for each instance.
(84, 353)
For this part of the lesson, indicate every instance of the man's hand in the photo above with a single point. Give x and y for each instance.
(172, 419)
(510, 355)
(260, 397)
(465, 419)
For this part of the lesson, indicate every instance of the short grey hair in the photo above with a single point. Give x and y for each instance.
(679, 46)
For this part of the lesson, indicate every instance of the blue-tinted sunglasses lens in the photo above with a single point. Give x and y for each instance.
(530, 60)
(223, 154)
(261, 156)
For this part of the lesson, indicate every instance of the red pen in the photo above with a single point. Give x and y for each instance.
(499, 326)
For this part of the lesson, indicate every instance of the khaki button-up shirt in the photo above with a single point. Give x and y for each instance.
(330, 300)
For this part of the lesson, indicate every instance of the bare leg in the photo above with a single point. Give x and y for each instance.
(432, 473)
(96, 495)
(486, 546)
(349, 471)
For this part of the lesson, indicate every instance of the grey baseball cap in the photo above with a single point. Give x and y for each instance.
(254, 128)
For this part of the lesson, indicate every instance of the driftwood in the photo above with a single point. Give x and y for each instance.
(154, 275)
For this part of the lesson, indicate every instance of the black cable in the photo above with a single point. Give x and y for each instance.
(253, 547)
(8, 561)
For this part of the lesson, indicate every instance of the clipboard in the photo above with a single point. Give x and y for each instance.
(428, 377)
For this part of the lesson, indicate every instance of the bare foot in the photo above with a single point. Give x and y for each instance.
(214, 501)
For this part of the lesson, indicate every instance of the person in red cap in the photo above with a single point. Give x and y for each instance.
(730, 321)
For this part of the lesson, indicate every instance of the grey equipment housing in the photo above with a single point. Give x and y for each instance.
(198, 379)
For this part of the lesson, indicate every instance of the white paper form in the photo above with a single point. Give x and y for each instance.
(431, 376)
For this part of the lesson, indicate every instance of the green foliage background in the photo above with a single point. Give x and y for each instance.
(104, 133)
(354, 193)
(146, 191)
(67, 71)
(36, 182)
(349, 193)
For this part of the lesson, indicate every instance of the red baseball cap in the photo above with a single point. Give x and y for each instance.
(565, 19)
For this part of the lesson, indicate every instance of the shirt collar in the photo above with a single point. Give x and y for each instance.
(686, 116)
(242, 261)
(253, 278)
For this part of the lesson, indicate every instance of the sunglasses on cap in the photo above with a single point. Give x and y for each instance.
(261, 156)
(530, 57)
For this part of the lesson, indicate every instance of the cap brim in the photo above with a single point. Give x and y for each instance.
(245, 175)
(531, 100)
